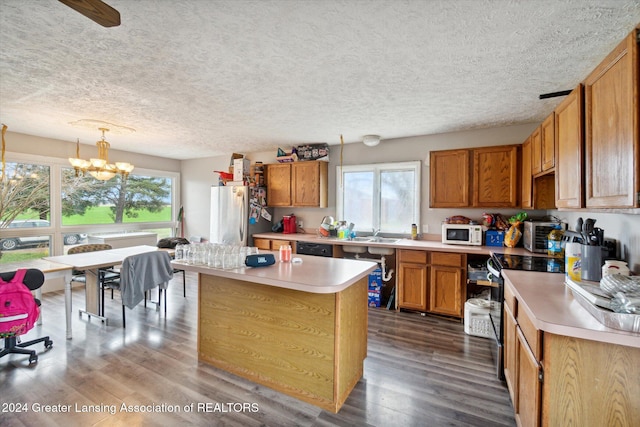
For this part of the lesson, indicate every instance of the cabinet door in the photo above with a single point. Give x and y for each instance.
(569, 116)
(275, 244)
(536, 151)
(445, 294)
(495, 176)
(309, 183)
(528, 395)
(548, 137)
(412, 286)
(527, 182)
(449, 179)
(612, 146)
(279, 185)
(510, 348)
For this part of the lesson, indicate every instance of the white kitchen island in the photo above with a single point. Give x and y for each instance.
(300, 329)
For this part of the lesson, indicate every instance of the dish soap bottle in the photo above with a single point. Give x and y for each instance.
(555, 247)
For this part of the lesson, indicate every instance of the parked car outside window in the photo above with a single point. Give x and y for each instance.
(12, 243)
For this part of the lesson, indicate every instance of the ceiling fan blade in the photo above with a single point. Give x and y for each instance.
(95, 10)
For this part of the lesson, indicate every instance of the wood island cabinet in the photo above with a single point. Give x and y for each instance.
(433, 282)
(298, 184)
(477, 177)
(612, 135)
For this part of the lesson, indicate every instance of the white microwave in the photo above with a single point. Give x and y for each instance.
(462, 234)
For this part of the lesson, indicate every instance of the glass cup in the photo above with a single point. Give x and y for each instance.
(285, 253)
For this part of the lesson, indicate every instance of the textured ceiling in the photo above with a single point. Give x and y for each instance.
(204, 77)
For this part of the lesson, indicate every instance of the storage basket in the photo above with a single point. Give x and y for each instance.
(476, 318)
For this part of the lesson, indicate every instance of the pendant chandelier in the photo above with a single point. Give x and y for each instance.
(100, 168)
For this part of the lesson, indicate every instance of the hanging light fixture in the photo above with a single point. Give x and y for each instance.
(100, 168)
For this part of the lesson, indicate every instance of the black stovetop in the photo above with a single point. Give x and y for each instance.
(530, 263)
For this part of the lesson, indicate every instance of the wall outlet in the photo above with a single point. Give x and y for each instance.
(300, 224)
(425, 228)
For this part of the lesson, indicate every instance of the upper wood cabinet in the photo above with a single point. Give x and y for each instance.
(548, 144)
(449, 179)
(536, 149)
(495, 176)
(569, 119)
(300, 184)
(478, 177)
(612, 147)
(526, 193)
(278, 178)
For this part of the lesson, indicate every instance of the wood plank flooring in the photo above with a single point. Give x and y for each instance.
(420, 371)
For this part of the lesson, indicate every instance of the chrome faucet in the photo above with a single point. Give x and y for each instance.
(375, 232)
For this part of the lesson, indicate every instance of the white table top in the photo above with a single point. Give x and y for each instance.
(98, 259)
(320, 275)
(41, 264)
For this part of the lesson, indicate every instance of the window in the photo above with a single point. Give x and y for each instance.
(45, 208)
(383, 196)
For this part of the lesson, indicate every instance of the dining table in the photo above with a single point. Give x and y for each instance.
(91, 263)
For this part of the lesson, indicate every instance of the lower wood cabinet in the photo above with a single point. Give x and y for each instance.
(412, 280)
(432, 281)
(560, 380)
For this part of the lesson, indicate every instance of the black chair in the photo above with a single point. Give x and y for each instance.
(105, 275)
(33, 279)
(138, 275)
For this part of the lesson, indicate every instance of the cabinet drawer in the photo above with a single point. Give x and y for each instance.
(418, 257)
(262, 244)
(275, 244)
(447, 258)
(531, 333)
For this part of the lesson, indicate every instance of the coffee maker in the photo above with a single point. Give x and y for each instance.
(289, 224)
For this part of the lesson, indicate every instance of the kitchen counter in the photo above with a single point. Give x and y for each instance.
(425, 245)
(552, 308)
(298, 328)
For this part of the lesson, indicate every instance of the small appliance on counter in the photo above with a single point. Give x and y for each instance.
(535, 234)
(289, 224)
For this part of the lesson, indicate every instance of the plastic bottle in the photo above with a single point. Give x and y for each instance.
(414, 232)
(615, 267)
(555, 248)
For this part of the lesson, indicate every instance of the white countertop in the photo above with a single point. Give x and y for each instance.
(320, 275)
(552, 308)
(425, 245)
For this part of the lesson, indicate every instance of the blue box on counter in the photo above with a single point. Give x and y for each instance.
(494, 238)
(375, 286)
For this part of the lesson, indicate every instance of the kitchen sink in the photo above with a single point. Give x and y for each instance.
(377, 250)
(354, 249)
(383, 240)
(362, 239)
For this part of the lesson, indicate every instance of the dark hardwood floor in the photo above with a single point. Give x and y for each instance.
(420, 371)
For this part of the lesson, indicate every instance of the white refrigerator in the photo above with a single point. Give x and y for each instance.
(238, 212)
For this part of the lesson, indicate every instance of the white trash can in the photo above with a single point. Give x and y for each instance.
(476, 318)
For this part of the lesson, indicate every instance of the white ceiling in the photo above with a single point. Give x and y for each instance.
(205, 77)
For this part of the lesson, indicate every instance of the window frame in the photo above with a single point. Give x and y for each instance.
(377, 168)
(56, 230)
